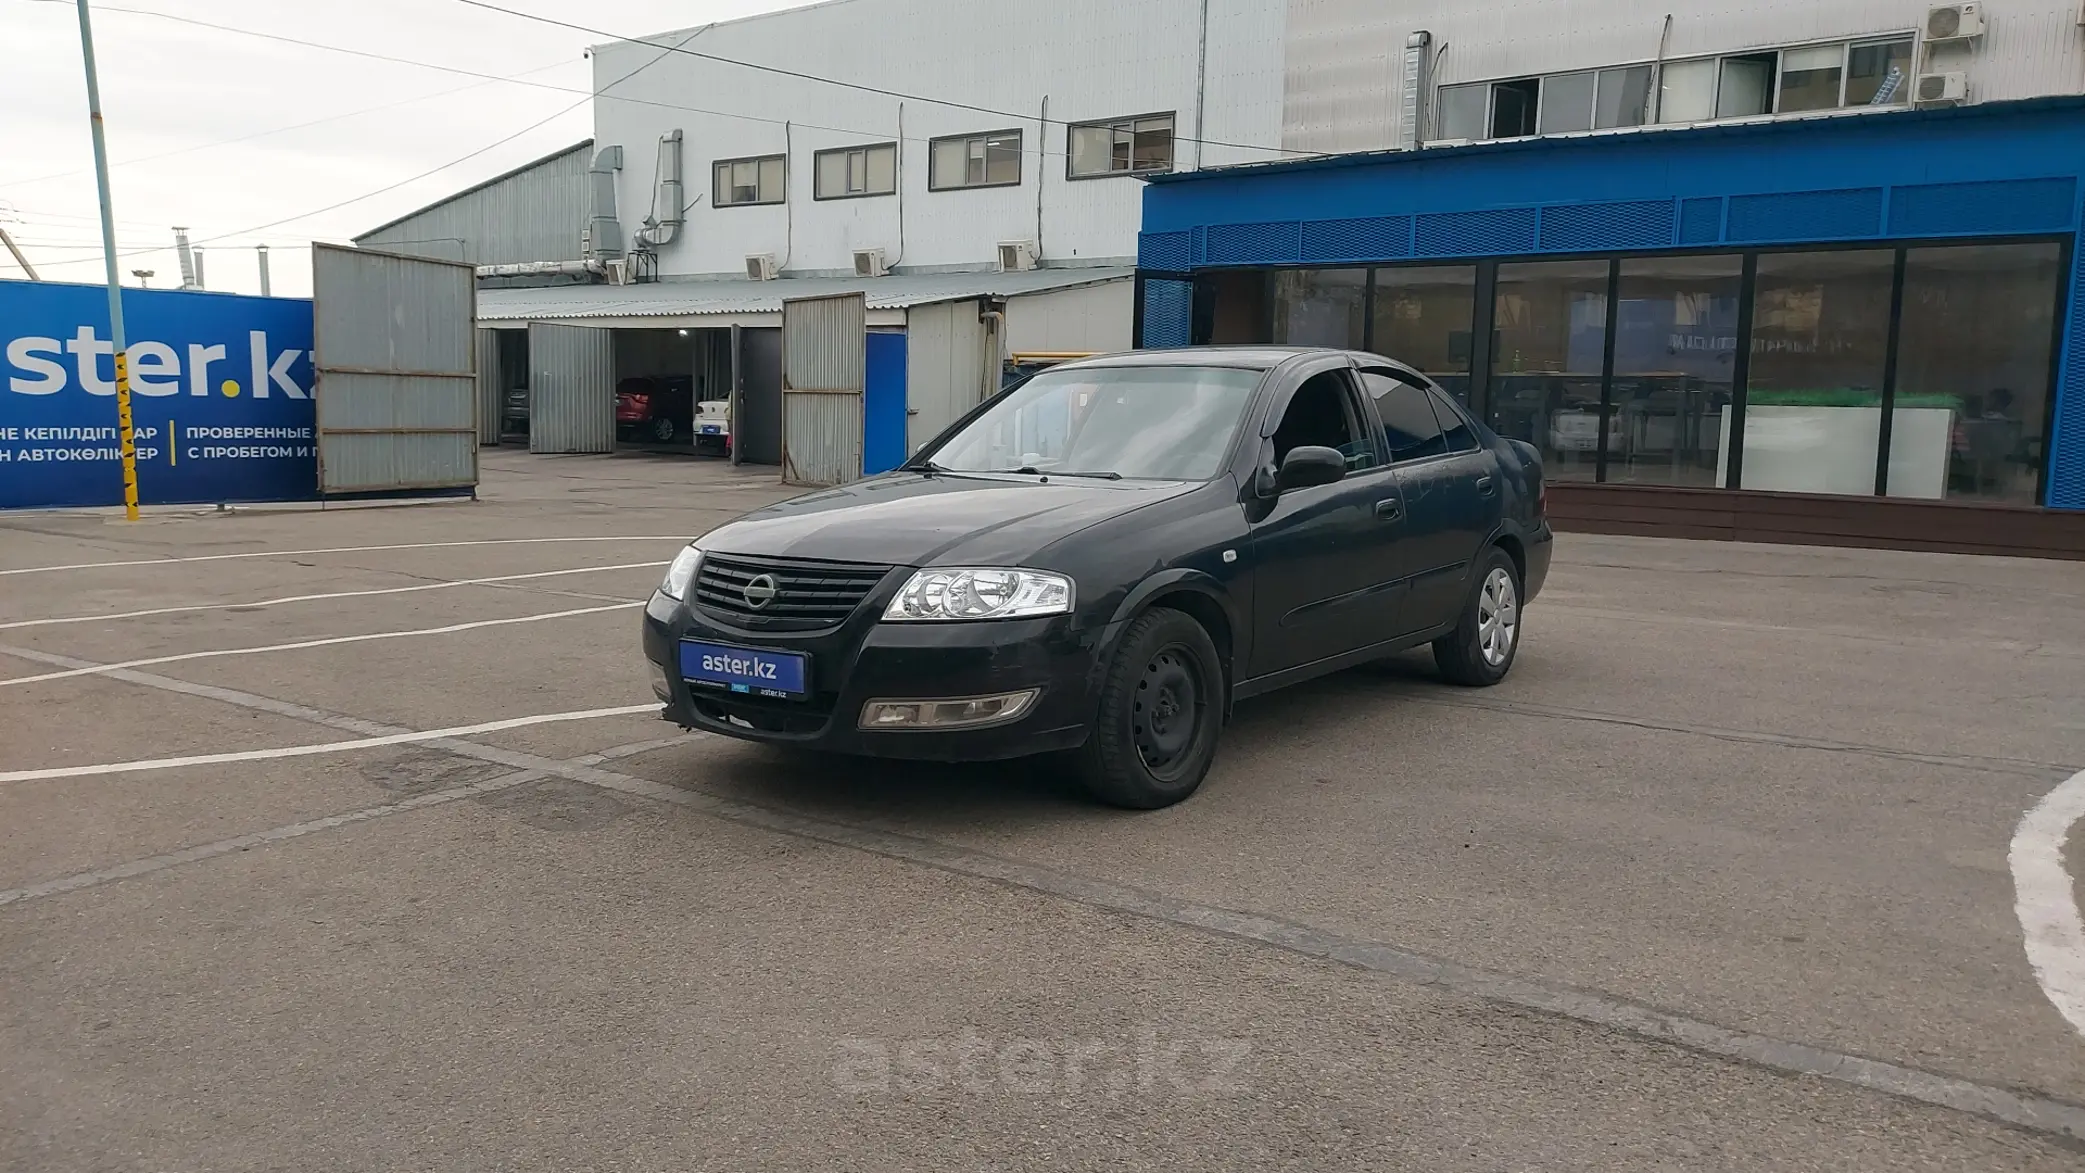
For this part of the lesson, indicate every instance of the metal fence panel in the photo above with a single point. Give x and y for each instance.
(395, 356)
(821, 437)
(489, 390)
(825, 344)
(571, 388)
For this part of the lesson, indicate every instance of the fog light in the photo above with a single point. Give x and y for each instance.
(661, 686)
(962, 713)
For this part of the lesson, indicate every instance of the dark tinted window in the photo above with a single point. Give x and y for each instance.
(1460, 437)
(1321, 414)
(1409, 428)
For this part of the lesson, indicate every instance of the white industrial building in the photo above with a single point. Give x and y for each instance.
(970, 172)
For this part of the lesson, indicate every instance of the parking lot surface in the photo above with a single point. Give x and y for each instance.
(352, 839)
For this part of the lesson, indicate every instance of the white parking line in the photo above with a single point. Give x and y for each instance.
(219, 653)
(2045, 898)
(304, 751)
(334, 550)
(434, 586)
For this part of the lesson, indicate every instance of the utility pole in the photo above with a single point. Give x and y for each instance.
(19, 259)
(108, 249)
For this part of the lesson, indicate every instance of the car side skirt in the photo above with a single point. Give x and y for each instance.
(1273, 681)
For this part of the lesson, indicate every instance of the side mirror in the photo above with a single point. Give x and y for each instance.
(1310, 464)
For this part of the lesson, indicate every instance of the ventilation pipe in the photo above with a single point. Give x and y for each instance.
(661, 230)
(199, 283)
(187, 258)
(1413, 135)
(603, 231)
(261, 251)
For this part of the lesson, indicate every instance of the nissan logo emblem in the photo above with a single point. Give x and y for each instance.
(761, 591)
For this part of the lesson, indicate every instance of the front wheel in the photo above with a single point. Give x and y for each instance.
(1161, 703)
(1480, 651)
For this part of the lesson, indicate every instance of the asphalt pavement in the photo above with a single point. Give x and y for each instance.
(1718, 879)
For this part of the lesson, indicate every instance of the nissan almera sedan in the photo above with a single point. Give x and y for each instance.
(1104, 559)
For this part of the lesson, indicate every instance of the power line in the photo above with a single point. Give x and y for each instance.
(277, 130)
(590, 95)
(867, 89)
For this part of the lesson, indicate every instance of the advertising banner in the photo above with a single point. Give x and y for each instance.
(220, 397)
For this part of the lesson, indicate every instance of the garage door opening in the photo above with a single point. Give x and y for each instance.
(673, 390)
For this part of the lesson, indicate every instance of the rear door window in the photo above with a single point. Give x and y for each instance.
(1410, 429)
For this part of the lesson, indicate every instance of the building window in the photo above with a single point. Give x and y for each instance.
(1820, 341)
(1973, 360)
(849, 172)
(740, 182)
(1743, 85)
(1422, 319)
(1675, 361)
(1548, 353)
(1122, 146)
(975, 160)
(1321, 307)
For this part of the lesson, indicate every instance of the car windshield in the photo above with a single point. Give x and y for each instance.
(1161, 423)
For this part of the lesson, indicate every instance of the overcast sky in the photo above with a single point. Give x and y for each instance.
(174, 95)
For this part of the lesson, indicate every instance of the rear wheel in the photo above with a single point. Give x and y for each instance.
(1161, 704)
(1480, 651)
(662, 429)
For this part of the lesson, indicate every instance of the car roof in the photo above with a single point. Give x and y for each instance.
(1256, 358)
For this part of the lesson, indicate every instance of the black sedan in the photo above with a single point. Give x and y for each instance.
(1103, 559)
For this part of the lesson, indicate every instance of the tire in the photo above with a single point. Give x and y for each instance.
(1139, 756)
(662, 429)
(1480, 651)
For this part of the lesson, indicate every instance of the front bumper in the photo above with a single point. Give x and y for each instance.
(864, 660)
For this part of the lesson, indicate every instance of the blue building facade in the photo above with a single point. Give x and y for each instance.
(1887, 305)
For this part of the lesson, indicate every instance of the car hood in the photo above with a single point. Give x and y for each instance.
(910, 519)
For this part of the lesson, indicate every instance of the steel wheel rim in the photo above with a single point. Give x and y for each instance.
(1167, 711)
(1498, 617)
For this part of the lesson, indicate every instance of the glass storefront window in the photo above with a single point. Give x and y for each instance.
(1320, 307)
(1422, 319)
(1549, 345)
(1675, 350)
(1813, 407)
(1973, 372)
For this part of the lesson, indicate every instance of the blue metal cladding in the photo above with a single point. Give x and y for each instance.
(1629, 224)
(1701, 220)
(1475, 234)
(1267, 243)
(1168, 311)
(1848, 214)
(1370, 239)
(1172, 252)
(2067, 433)
(1999, 206)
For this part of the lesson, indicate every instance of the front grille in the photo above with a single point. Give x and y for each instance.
(807, 593)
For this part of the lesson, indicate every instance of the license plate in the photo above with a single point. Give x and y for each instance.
(753, 671)
(712, 430)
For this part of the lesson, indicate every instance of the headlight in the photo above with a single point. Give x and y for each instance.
(980, 593)
(681, 573)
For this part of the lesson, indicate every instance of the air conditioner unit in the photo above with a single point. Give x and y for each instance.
(1954, 22)
(760, 267)
(1016, 256)
(1942, 89)
(868, 262)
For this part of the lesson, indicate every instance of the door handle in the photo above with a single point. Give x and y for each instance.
(1390, 510)
(1485, 487)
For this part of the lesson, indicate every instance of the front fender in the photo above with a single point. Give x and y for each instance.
(1201, 583)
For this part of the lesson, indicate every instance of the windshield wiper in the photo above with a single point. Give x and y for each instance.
(1033, 471)
(928, 467)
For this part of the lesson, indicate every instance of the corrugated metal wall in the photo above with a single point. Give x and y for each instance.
(571, 388)
(945, 368)
(1344, 68)
(824, 374)
(489, 388)
(395, 353)
(535, 214)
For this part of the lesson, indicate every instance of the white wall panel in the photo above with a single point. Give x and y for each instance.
(1091, 318)
(1090, 58)
(1344, 69)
